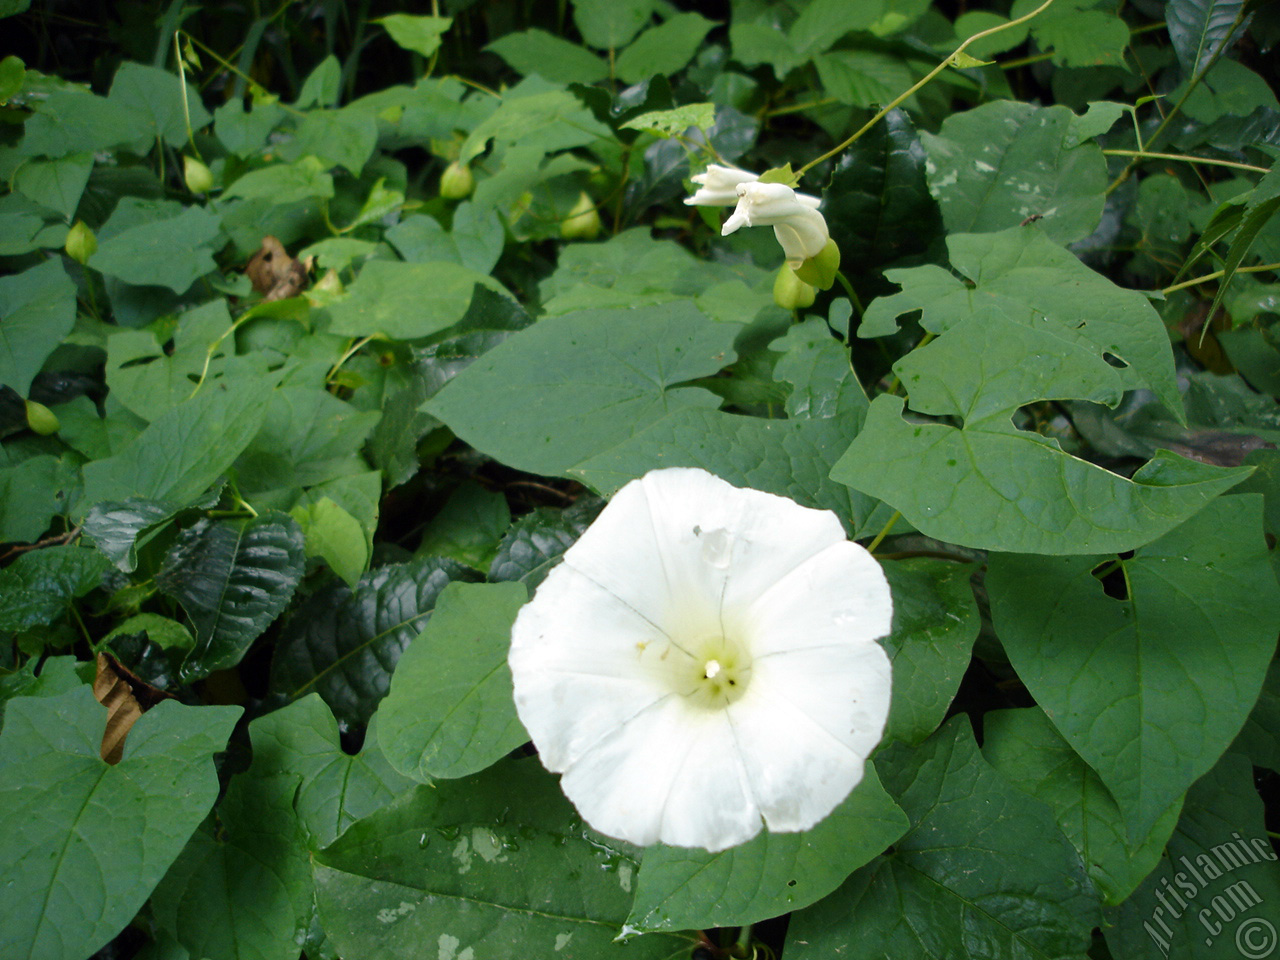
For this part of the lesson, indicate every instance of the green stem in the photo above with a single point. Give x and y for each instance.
(871, 547)
(1189, 159)
(182, 89)
(1218, 275)
(848, 288)
(918, 84)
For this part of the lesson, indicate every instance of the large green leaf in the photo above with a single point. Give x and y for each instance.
(1072, 317)
(56, 184)
(1260, 738)
(450, 711)
(536, 542)
(994, 166)
(233, 577)
(817, 366)
(38, 586)
(334, 788)
(1214, 894)
(468, 527)
(468, 868)
(173, 252)
(572, 386)
(162, 98)
(682, 888)
(609, 24)
(344, 642)
(984, 873)
(1152, 688)
(474, 239)
(877, 203)
(242, 886)
(1024, 746)
(33, 492)
(83, 842)
(75, 120)
(549, 56)
(37, 309)
(405, 301)
(184, 450)
(935, 621)
(663, 49)
(1199, 29)
(993, 487)
(791, 458)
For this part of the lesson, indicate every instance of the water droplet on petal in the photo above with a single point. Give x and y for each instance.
(717, 548)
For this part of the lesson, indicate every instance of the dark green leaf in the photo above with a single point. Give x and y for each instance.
(173, 252)
(468, 526)
(38, 307)
(550, 57)
(32, 493)
(233, 577)
(479, 865)
(984, 871)
(663, 49)
(343, 642)
(1199, 29)
(405, 301)
(94, 838)
(37, 587)
(536, 542)
(1260, 738)
(1152, 688)
(56, 184)
(419, 34)
(450, 711)
(162, 98)
(822, 380)
(609, 24)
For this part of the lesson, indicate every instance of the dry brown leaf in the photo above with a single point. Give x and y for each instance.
(275, 274)
(123, 708)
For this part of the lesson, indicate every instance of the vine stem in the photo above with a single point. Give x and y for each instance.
(1146, 154)
(923, 81)
(871, 547)
(1218, 275)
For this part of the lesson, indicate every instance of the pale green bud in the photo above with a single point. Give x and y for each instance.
(821, 270)
(81, 244)
(790, 292)
(199, 178)
(457, 181)
(583, 222)
(41, 419)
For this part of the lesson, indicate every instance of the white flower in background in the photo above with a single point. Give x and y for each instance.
(703, 663)
(799, 227)
(718, 187)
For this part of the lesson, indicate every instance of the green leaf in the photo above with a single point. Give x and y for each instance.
(12, 70)
(468, 526)
(984, 870)
(233, 577)
(538, 120)
(1024, 746)
(450, 711)
(1260, 738)
(323, 85)
(1151, 689)
(33, 492)
(549, 56)
(38, 586)
(56, 184)
(115, 526)
(822, 380)
(95, 838)
(160, 97)
(406, 301)
(184, 450)
(344, 642)
(1215, 888)
(337, 138)
(863, 78)
(935, 622)
(683, 888)
(165, 633)
(173, 252)
(1077, 35)
(242, 886)
(474, 240)
(478, 865)
(1019, 491)
(669, 123)
(569, 387)
(334, 536)
(663, 49)
(57, 676)
(76, 121)
(610, 24)
(301, 741)
(1199, 29)
(877, 204)
(791, 458)
(1025, 278)
(39, 309)
(823, 22)
(304, 179)
(419, 34)
(536, 542)
(996, 165)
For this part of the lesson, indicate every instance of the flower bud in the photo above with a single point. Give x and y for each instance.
(457, 181)
(820, 270)
(790, 292)
(41, 419)
(199, 178)
(329, 283)
(583, 222)
(81, 244)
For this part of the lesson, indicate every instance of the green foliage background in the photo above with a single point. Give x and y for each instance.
(300, 527)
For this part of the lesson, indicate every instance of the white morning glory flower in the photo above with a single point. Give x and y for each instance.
(799, 227)
(718, 187)
(703, 663)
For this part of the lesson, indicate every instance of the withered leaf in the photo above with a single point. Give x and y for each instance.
(275, 274)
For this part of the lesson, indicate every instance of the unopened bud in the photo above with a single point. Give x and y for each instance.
(790, 292)
(41, 419)
(81, 244)
(457, 181)
(583, 222)
(820, 270)
(329, 283)
(199, 177)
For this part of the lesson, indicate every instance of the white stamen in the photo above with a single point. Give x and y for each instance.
(713, 667)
